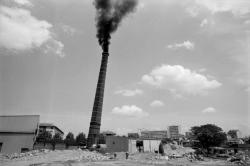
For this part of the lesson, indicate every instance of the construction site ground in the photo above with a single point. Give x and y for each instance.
(86, 158)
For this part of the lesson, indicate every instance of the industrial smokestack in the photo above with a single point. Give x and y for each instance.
(109, 14)
(95, 123)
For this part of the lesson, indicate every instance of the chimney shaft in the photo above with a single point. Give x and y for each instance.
(95, 123)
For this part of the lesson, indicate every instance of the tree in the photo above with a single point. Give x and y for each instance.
(57, 138)
(209, 135)
(69, 139)
(232, 134)
(81, 139)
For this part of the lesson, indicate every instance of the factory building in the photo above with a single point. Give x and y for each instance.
(18, 133)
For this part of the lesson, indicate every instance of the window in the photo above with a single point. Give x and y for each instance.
(23, 150)
(1, 144)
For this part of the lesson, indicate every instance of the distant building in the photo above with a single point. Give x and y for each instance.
(18, 133)
(157, 135)
(174, 132)
(234, 134)
(50, 128)
(133, 135)
(103, 135)
(188, 135)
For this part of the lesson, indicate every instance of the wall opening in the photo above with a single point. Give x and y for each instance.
(1, 144)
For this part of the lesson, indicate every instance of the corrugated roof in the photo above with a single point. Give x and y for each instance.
(19, 123)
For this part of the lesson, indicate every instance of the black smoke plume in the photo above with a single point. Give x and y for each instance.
(109, 14)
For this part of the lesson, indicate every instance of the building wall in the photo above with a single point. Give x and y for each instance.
(51, 129)
(116, 144)
(13, 143)
(19, 123)
(174, 132)
(132, 146)
(151, 145)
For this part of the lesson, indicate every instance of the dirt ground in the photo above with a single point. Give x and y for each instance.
(83, 158)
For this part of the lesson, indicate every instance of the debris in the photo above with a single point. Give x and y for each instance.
(240, 159)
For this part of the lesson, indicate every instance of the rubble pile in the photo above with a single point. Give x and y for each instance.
(65, 154)
(173, 150)
(26, 154)
(93, 156)
(239, 158)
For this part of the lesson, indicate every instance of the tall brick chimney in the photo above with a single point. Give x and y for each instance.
(95, 123)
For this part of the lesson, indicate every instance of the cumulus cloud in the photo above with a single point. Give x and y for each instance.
(123, 131)
(180, 80)
(209, 110)
(68, 29)
(157, 103)
(129, 93)
(22, 31)
(130, 111)
(54, 47)
(186, 44)
(237, 7)
(23, 2)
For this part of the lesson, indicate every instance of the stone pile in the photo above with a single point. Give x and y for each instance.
(173, 150)
(93, 156)
(240, 159)
(26, 154)
(64, 154)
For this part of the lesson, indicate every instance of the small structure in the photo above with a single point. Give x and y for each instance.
(49, 127)
(18, 133)
(132, 146)
(117, 144)
(151, 145)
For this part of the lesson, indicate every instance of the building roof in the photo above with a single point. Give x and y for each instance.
(19, 123)
(46, 124)
(50, 125)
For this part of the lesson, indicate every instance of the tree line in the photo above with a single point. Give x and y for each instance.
(69, 140)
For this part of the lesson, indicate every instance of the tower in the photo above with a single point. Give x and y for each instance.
(95, 123)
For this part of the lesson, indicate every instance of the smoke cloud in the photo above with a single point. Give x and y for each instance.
(109, 15)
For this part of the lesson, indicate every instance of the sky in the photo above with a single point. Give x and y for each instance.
(172, 62)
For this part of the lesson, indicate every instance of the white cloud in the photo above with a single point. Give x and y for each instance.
(123, 131)
(237, 7)
(131, 111)
(204, 23)
(180, 80)
(68, 29)
(22, 31)
(157, 103)
(55, 47)
(193, 11)
(129, 93)
(186, 44)
(209, 110)
(23, 2)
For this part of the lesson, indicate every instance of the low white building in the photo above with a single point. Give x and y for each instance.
(18, 133)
